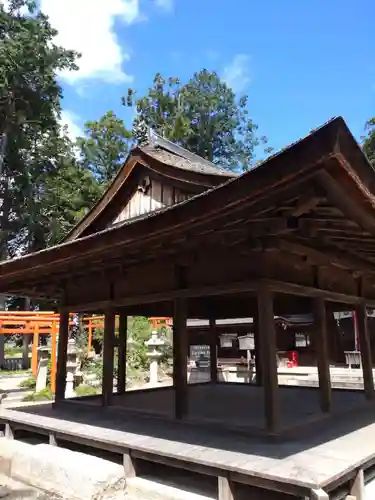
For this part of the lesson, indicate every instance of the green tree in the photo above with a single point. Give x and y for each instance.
(203, 115)
(29, 111)
(105, 147)
(369, 141)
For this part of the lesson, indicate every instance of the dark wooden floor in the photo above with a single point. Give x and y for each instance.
(237, 405)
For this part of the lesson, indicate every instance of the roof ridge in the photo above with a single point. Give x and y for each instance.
(157, 140)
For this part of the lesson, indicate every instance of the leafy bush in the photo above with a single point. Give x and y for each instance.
(29, 383)
(85, 390)
(137, 356)
(96, 367)
(43, 395)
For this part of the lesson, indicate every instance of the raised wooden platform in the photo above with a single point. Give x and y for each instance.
(322, 456)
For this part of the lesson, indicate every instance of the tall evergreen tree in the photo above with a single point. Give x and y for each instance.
(369, 141)
(105, 146)
(203, 115)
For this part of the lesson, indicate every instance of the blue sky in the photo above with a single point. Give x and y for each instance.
(300, 61)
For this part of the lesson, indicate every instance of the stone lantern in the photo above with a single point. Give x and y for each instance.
(71, 367)
(154, 355)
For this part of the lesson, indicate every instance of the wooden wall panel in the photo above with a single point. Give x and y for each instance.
(168, 195)
(156, 196)
(152, 277)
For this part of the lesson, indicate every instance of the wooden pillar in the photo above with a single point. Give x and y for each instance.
(213, 350)
(108, 352)
(2, 350)
(122, 350)
(89, 343)
(25, 348)
(365, 347)
(270, 378)
(26, 338)
(322, 353)
(180, 355)
(62, 355)
(53, 357)
(34, 355)
(258, 351)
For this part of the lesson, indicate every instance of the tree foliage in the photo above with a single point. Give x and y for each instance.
(203, 115)
(32, 149)
(44, 189)
(369, 141)
(105, 146)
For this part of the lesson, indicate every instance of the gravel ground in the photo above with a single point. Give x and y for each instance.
(14, 490)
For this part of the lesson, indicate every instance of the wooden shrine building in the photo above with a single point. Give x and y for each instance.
(176, 236)
(294, 235)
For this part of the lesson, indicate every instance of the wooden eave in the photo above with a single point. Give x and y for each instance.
(314, 199)
(117, 190)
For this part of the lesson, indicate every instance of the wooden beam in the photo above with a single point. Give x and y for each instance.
(258, 351)
(270, 379)
(108, 354)
(346, 203)
(325, 256)
(180, 356)
(164, 296)
(320, 320)
(213, 350)
(62, 356)
(221, 289)
(308, 291)
(122, 352)
(306, 204)
(365, 347)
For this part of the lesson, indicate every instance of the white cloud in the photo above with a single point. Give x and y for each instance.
(23, 10)
(87, 26)
(236, 74)
(70, 121)
(166, 5)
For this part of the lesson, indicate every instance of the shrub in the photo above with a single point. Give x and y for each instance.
(29, 383)
(43, 395)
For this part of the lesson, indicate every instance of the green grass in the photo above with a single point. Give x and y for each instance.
(29, 383)
(43, 395)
